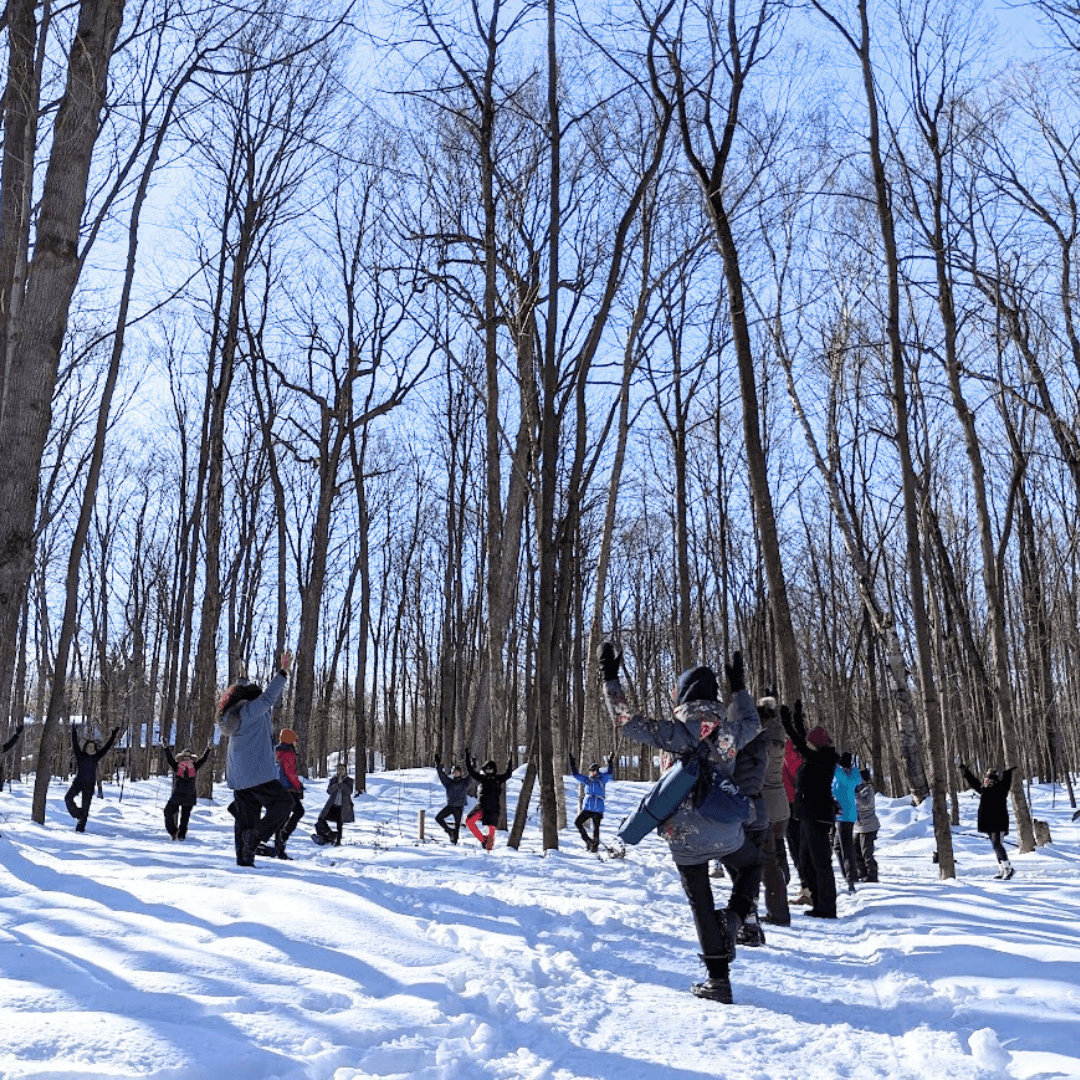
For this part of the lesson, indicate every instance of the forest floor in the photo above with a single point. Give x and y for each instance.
(125, 954)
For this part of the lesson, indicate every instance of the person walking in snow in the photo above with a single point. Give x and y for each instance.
(261, 805)
(846, 778)
(695, 840)
(338, 808)
(593, 806)
(489, 797)
(993, 816)
(866, 829)
(5, 748)
(814, 807)
(86, 765)
(183, 797)
(285, 752)
(456, 784)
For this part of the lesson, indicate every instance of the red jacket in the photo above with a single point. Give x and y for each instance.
(792, 761)
(286, 761)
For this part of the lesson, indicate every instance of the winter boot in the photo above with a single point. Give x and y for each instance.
(1006, 870)
(717, 987)
(265, 850)
(249, 841)
(320, 840)
(730, 924)
(804, 897)
(750, 933)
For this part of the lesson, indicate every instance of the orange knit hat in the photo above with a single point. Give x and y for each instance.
(288, 736)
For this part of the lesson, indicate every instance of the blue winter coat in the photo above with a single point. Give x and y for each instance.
(694, 838)
(844, 783)
(250, 759)
(594, 790)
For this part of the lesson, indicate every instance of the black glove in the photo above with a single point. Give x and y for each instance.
(116, 730)
(509, 765)
(468, 758)
(573, 764)
(800, 723)
(610, 761)
(785, 720)
(736, 678)
(609, 661)
(438, 759)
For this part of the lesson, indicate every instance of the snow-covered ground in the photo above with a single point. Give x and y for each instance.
(125, 954)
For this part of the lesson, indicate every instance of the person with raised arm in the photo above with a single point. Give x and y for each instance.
(87, 757)
(183, 797)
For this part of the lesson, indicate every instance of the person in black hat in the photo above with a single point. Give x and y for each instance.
(993, 812)
(87, 757)
(593, 806)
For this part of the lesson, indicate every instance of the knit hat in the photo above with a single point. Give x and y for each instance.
(488, 766)
(288, 736)
(845, 759)
(818, 737)
(696, 684)
(767, 706)
(184, 754)
(594, 766)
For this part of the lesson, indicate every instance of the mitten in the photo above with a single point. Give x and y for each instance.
(573, 764)
(438, 759)
(609, 662)
(736, 678)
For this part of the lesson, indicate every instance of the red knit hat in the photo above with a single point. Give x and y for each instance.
(288, 736)
(818, 737)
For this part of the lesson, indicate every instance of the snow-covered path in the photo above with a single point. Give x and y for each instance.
(124, 954)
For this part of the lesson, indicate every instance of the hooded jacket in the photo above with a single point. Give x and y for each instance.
(773, 791)
(594, 790)
(457, 788)
(792, 762)
(692, 837)
(490, 791)
(86, 764)
(286, 768)
(865, 799)
(249, 760)
(844, 783)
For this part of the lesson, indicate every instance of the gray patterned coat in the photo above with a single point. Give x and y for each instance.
(694, 838)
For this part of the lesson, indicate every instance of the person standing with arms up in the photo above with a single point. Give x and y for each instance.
(457, 791)
(86, 765)
(593, 807)
(489, 798)
(183, 797)
(262, 805)
(994, 812)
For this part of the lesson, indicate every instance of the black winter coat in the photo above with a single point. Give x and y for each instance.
(813, 782)
(183, 787)
(993, 802)
(490, 794)
(86, 764)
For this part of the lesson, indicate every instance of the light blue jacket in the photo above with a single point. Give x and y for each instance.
(844, 783)
(594, 790)
(250, 760)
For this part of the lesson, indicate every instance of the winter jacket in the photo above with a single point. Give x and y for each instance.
(844, 783)
(286, 768)
(813, 782)
(777, 804)
(249, 760)
(12, 741)
(865, 800)
(183, 787)
(86, 764)
(993, 802)
(792, 762)
(490, 794)
(340, 791)
(457, 789)
(751, 763)
(594, 790)
(694, 838)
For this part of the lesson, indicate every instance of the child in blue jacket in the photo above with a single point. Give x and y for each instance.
(593, 807)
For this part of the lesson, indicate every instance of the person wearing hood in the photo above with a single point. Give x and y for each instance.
(866, 829)
(456, 784)
(846, 778)
(183, 797)
(815, 807)
(593, 806)
(793, 836)
(261, 805)
(338, 808)
(993, 816)
(489, 799)
(694, 839)
(776, 812)
(87, 757)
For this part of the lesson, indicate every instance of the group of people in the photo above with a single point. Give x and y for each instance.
(803, 792)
